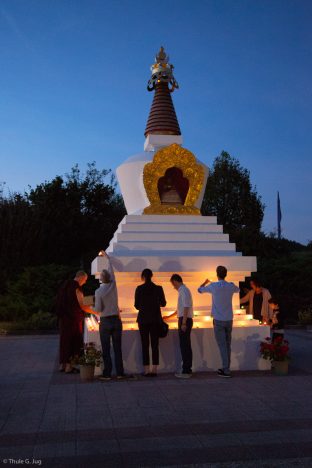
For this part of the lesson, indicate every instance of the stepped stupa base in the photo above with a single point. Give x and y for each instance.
(192, 246)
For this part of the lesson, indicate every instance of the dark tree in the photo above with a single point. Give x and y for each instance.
(231, 197)
(63, 221)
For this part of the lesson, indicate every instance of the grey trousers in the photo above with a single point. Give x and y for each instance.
(223, 336)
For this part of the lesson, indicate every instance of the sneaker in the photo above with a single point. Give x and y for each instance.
(183, 376)
(221, 373)
(105, 378)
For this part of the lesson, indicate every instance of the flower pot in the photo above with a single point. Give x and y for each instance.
(280, 367)
(86, 372)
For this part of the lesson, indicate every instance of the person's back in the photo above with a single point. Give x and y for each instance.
(67, 305)
(222, 295)
(106, 302)
(106, 299)
(106, 296)
(222, 312)
(149, 297)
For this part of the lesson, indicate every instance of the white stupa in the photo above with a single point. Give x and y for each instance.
(163, 189)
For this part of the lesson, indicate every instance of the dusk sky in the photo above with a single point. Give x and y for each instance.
(73, 81)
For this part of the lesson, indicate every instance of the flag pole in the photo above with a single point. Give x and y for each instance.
(279, 217)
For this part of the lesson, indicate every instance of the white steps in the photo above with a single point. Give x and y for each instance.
(164, 236)
(167, 219)
(159, 235)
(174, 245)
(172, 227)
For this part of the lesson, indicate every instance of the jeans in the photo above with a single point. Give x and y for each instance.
(223, 336)
(111, 327)
(150, 331)
(185, 346)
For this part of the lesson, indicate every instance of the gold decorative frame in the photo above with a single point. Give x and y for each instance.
(165, 158)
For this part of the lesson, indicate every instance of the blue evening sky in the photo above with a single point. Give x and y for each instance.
(73, 80)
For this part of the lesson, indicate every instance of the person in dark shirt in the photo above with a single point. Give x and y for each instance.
(257, 305)
(149, 298)
(258, 298)
(277, 320)
(70, 311)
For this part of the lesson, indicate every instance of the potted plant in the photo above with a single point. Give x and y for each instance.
(277, 351)
(90, 358)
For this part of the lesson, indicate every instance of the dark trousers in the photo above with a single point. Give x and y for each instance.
(149, 333)
(111, 328)
(185, 346)
(71, 339)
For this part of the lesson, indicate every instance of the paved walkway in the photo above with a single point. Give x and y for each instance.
(254, 419)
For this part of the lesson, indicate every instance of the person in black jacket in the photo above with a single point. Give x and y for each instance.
(149, 298)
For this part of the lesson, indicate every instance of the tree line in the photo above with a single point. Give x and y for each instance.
(58, 226)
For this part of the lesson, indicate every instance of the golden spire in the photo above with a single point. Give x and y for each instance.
(162, 72)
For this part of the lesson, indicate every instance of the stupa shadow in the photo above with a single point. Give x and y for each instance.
(246, 351)
(136, 264)
(171, 265)
(202, 344)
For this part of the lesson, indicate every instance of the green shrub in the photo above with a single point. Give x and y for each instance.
(42, 321)
(32, 291)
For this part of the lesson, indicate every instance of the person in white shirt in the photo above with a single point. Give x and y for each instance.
(222, 313)
(185, 323)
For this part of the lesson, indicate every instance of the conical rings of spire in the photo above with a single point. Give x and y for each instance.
(162, 72)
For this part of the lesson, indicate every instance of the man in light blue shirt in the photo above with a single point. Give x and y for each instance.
(222, 313)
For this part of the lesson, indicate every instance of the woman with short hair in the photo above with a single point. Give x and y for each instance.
(149, 298)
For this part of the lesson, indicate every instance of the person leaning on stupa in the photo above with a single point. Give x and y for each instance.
(258, 299)
(106, 302)
(70, 310)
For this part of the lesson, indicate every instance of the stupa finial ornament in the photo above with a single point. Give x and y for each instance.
(162, 57)
(162, 72)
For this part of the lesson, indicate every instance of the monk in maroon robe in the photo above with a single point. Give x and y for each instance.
(70, 311)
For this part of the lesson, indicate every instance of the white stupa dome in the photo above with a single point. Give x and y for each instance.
(130, 178)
